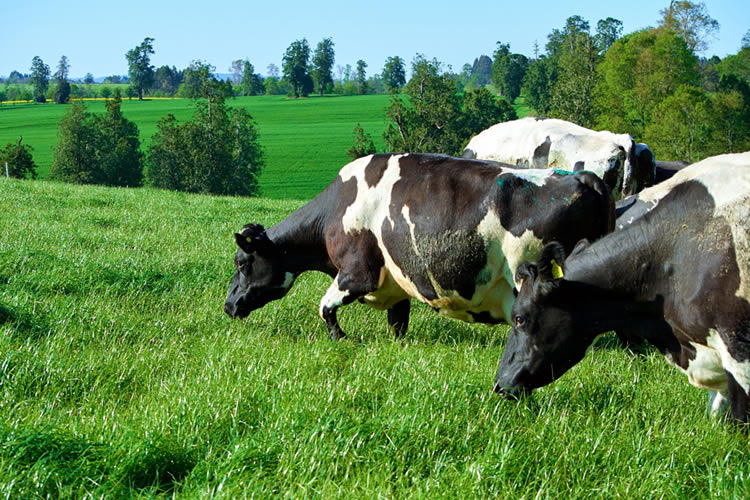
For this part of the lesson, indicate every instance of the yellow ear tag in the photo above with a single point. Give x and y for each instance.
(249, 239)
(557, 271)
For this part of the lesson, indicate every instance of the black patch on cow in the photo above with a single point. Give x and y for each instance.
(445, 205)
(541, 154)
(375, 169)
(579, 166)
(571, 207)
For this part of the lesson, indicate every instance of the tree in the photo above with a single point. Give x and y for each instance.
(363, 144)
(295, 66)
(39, 78)
(199, 81)
(394, 74)
(508, 71)
(215, 152)
(572, 94)
(140, 70)
(424, 119)
(745, 43)
(120, 157)
(691, 21)
(430, 116)
(236, 69)
(251, 82)
(682, 127)
(481, 71)
(74, 159)
(88, 79)
(362, 76)
(638, 72)
(19, 160)
(607, 32)
(272, 71)
(167, 80)
(537, 84)
(481, 110)
(97, 149)
(322, 64)
(62, 86)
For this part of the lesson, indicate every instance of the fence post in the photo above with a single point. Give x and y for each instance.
(6, 170)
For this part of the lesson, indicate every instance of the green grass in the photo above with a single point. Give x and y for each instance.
(305, 140)
(121, 376)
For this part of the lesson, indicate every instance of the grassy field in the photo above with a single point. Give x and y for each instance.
(121, 376)
(305, 140)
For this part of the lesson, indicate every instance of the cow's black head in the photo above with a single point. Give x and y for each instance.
(545, 340)
(259, 275)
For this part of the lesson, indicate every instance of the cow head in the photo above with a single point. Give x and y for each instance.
(259, 275)
(545, 340)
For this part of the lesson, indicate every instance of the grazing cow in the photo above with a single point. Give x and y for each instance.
(625, 166)
(678, 275)
(446, 231)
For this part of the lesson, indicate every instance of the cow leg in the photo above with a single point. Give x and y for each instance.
(344, 290)
(717, 403)
(398, 318)
(738, 399)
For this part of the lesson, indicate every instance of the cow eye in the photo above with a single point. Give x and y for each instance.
(519, 320)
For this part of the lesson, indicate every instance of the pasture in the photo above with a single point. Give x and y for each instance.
(120, 375)
(305, 140)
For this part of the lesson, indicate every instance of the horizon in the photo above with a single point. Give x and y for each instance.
(261, 33)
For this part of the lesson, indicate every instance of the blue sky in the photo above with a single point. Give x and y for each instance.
(95, 35)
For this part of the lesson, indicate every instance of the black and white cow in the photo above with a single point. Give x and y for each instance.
(446, 231)
(678, 275)
(626, 166)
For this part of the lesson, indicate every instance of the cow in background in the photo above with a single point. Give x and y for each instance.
(625, 166)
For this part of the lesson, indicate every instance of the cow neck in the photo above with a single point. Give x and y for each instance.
(300, 238)
(624, 264)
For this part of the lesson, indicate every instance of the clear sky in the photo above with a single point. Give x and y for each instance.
(95, 35)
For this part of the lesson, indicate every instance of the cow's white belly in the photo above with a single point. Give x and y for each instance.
(712, 361)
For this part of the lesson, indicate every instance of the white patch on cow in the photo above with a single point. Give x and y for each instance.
(333, 298)
(712, 361)
(706, 370)
(370, 207)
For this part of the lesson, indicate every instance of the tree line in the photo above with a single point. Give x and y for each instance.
(650, 84)
(217, 151)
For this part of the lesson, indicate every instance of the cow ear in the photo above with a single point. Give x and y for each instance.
(552, 262)
(580, 247)
(525, 271)
(244, 242)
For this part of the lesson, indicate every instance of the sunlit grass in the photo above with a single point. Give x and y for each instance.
(120, 375)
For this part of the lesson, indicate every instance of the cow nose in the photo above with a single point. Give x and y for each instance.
(229, 308)
(513, 393)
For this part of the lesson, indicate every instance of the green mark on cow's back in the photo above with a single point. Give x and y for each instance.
(563, 172)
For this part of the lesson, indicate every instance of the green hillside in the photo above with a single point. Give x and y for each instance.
(120, 377)
(305, 139)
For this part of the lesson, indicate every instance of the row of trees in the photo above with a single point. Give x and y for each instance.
(217, 151)
(650, 84)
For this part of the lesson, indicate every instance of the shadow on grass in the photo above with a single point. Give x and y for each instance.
(24, 324)
(47, 463)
